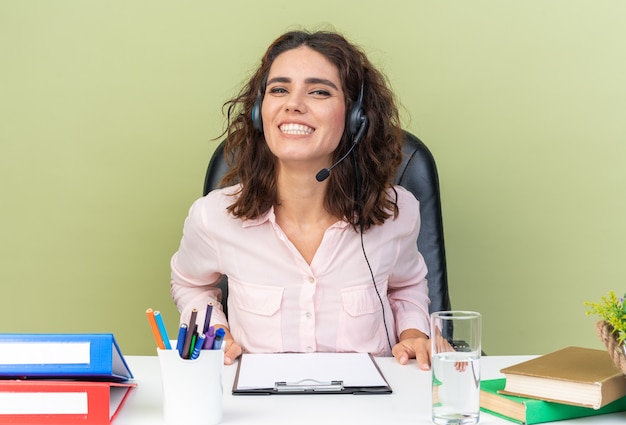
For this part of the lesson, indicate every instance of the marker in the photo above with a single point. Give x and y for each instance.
(162, 330)
(198, 348)
(219, 338)
(210, 337)
(182, 333)
(155, 329)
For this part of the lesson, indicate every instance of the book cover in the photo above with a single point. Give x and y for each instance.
(580, 376)
(76, 356)
(44, 402)
(533, 411)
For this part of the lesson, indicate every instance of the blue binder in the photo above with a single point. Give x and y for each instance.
(62, 356)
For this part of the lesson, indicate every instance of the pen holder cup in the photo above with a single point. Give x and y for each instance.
(192, 389)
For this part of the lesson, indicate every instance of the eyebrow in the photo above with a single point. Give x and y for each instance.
(312, 80)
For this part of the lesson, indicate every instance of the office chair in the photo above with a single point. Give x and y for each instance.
(418, 174)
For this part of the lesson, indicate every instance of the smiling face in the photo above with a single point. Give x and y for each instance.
(303, 109)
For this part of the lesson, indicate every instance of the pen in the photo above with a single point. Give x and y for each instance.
(192, 346)
(219, 338)
(182, 334)
(210, 337)
(198, 347)
(191, 329)
(207, 318)
(187, 348)
(162, 330)
(155, 329)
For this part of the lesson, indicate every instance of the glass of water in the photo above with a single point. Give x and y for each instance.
(455, 345)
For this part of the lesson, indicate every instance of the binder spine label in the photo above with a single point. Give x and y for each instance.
(37, 353)
(43, 403)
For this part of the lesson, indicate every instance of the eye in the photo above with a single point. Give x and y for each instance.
(320, 93)
(277, 90)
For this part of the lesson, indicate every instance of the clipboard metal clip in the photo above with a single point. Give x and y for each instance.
(308, 385)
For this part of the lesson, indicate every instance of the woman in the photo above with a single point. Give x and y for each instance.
(314, 264)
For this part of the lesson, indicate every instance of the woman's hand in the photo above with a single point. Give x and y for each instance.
(413, 345)
(232, 350)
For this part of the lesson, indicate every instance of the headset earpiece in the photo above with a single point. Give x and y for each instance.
(357, 116)
(257, 120)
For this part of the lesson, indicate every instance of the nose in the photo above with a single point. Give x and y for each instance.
(295, 102)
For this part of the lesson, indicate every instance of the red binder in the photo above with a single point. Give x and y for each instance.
(41, 402)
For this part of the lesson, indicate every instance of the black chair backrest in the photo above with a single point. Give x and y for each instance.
(418, 174)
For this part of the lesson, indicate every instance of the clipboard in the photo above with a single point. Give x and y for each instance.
(309, 373)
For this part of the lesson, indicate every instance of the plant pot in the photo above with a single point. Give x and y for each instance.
(616, 351)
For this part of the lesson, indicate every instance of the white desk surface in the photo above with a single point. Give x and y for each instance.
(410, 402)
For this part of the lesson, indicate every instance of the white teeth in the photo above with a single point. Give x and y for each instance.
(296, 129)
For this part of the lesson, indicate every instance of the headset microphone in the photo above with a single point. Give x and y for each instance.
(357, 124)
(324, 173)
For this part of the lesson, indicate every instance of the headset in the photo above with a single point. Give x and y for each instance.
(356, 122)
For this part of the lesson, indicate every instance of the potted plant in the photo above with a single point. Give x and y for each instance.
(611, 327)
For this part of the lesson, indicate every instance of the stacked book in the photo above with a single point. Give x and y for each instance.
(570, 383)
(62, 379)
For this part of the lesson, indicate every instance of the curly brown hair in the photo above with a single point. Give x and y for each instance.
(362, 195)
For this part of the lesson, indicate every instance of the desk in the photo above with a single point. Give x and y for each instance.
(410, 402)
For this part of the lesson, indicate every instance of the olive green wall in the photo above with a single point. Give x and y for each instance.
(108, 108)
